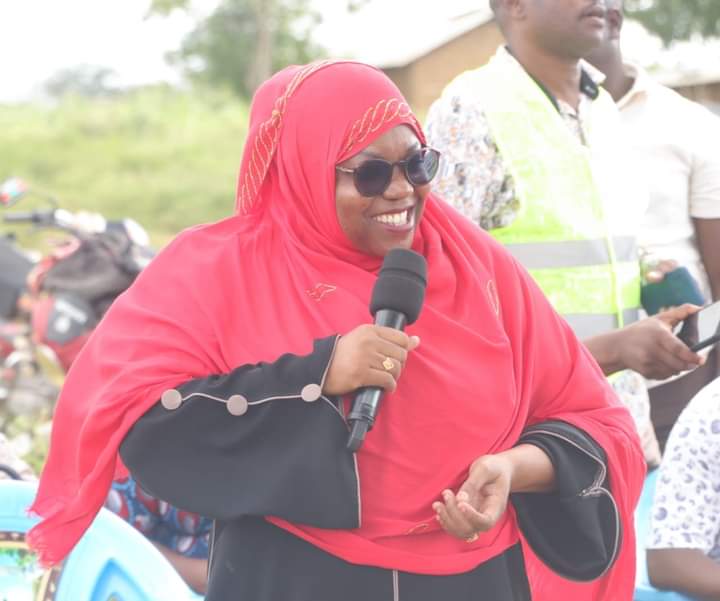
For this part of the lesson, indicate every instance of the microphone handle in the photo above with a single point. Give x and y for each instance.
(390, 319)
(367, 399)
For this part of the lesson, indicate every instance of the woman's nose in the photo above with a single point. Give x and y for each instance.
(399, 187)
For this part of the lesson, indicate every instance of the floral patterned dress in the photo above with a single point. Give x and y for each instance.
(182, 531)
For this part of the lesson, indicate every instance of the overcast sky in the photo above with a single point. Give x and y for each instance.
(41, 37)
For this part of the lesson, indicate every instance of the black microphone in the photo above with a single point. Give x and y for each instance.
(397, 299)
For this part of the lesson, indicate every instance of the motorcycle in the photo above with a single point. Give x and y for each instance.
(63, 295)
(72, 287)
(52, 307)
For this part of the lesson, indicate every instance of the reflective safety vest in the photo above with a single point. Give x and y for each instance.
(563, 233)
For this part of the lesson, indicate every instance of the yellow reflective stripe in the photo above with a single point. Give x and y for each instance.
(590, 289)
(617, 284)
(559, 205)
(628, 275)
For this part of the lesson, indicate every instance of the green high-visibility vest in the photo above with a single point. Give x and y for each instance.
(562, 233)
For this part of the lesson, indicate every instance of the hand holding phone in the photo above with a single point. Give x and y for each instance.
(701, 329)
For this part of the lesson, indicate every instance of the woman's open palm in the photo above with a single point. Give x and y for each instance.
(481, 500)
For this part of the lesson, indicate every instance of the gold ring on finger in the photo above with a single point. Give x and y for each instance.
(472, 538)
(388, 364)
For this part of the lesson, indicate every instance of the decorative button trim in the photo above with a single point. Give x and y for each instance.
(311, 392)
(237, 404)
(171, 399)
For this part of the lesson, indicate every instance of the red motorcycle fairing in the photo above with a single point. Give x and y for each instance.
(63, 323)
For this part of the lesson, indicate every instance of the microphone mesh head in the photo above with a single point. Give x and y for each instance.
(401, 284)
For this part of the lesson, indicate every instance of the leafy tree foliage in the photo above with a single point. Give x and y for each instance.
(677, 19)
(244, 41)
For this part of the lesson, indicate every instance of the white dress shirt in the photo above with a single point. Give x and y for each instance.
(676, 145)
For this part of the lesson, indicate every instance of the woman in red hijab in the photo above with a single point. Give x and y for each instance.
(222, 379)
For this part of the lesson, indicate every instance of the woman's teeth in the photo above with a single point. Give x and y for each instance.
(401, 218)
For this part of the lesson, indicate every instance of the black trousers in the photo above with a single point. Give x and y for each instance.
(253, 560)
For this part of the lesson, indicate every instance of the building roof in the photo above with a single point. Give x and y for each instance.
(395, 34)
(688, 77)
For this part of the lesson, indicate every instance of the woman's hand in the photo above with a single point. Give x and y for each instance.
(369, 355)
(483, 497)
(481, 500)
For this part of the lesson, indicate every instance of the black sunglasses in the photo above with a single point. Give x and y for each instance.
(373, 177)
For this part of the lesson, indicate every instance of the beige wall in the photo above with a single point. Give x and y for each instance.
(402, 76)
(423, 80)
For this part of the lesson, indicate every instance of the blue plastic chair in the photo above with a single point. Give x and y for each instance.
(644, 591)
(111, 561)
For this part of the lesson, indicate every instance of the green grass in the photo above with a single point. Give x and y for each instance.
(168, 159)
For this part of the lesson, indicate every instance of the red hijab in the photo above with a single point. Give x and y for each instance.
(280, 274)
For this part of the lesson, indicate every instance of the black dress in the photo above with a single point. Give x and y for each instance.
(262, 440)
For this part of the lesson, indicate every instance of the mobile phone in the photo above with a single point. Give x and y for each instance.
(701, 329)
(676, 288)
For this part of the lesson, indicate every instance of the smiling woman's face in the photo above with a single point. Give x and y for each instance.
(377, 224)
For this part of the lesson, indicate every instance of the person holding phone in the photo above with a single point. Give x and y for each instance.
(678, 159)
(532, 149)
(678, 231)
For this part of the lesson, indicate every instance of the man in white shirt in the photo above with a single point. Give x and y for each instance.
(674, 147)
(675, 143)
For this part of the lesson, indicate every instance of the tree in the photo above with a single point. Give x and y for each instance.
(244, 41)
(85, 80)
(677, 19)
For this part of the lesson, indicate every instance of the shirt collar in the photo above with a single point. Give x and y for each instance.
(641, 83)
(590, 78)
